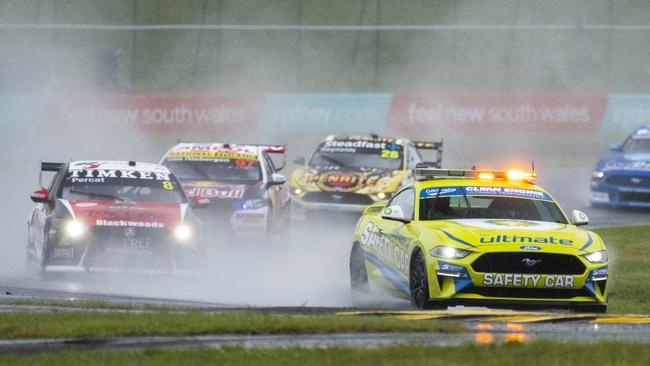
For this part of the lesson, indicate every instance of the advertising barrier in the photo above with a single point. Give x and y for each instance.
(319, 114)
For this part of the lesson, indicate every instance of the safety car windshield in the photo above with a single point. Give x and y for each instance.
(227, 170)
(121, 185)
(358, 154)
(446, 203)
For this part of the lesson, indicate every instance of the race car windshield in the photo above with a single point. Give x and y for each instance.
(389, 157)
(489, 207)
(637, 145)
(113, 187)
(227, 170)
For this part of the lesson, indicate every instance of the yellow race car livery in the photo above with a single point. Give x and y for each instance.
(347, 173)
(479, 237)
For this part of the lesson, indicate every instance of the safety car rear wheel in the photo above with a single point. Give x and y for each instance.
(358, 271)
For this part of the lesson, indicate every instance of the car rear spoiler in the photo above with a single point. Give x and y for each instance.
(431, 145)
(48, 167)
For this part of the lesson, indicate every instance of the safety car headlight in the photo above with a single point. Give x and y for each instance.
(74, 229)
(253, 204)
(446, 252)
(597, 257)
(183, 233)
(598, 174)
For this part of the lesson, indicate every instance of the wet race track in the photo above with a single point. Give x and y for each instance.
(310, 270)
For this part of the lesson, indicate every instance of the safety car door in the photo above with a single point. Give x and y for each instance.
(395, 225)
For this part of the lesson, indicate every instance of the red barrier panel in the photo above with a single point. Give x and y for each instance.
(536, 113)
(167, 113)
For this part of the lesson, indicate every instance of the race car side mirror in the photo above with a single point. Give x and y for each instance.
(615, 147)
(394, 213)
(41, 196)
(277, 179)
(300, 160)
(199, 202)
(578, 218)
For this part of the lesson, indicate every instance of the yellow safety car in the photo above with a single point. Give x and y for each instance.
(488, 238)
(348, 173)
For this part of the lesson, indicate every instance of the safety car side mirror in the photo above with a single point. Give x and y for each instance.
(578, 218)
(300, 160)
(394, 213)
(40, 196)
(615, 147)
(278, 179)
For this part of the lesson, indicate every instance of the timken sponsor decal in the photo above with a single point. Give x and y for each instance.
(527, 280)
(128, 223)
(79, 176)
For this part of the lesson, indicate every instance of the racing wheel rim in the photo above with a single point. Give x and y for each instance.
(418, 283)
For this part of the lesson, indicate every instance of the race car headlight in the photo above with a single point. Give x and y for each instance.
(598, 174)
(74, 229)
(381, 195)
(446, 252)
(183, 233)
(297, 191)
(597, 257)
(253, 204)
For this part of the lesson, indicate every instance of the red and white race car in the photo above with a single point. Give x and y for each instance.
(239, 183)
(113, 216)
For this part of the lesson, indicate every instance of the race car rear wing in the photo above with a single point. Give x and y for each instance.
(431, 145)
(275, 149)
(48, 167)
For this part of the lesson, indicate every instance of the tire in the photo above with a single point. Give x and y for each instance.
(419, 282)
(358, 272)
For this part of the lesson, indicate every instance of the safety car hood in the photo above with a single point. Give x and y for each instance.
(127, 213)
(215, 190)
(347, 179)
(484, 233)
(619, 161)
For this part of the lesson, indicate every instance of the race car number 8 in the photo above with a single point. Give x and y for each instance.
(390, 154)
(167, 184)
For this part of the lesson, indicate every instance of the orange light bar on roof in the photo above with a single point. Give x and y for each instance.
(486, 176)
(515, 174)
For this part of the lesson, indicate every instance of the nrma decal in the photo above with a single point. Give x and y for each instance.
(515, 239)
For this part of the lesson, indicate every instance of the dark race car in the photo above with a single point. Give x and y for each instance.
(348, 173)
(240, 184)
(113, 216)
(622, 177)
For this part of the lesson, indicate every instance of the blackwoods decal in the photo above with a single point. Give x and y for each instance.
(382, 245)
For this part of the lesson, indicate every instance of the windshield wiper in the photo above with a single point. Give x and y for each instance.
(94, 194)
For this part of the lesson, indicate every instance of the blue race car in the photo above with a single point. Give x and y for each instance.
(622, 177)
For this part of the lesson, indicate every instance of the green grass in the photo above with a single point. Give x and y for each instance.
(629, 291)
(543, 354)
(106, 324)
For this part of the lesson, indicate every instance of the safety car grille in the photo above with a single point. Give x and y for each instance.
(532, 263)
(634, 196)
(538, 293)
(629, 180)
(338, 197)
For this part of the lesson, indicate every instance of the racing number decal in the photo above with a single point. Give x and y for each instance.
(244, 163)
(389, 154)
(167, 184)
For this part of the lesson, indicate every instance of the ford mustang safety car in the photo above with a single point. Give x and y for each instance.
(348, 173)
(113, 216)
(479, 237)
(622, 177)
(244, 193)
